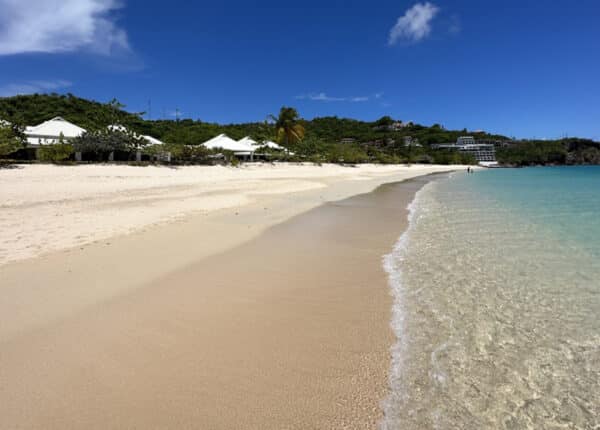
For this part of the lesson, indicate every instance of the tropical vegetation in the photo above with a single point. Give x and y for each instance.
(322, 139)
(10, 140)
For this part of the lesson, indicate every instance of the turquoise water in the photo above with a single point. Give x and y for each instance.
(497, 303)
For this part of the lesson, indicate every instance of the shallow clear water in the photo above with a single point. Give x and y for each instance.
(497, 310)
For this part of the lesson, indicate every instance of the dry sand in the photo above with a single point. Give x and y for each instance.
(45, 208)
(206, 322)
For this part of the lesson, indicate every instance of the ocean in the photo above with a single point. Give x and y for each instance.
(496, 287)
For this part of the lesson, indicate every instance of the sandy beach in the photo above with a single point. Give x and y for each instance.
(44, 208)
(201, 297)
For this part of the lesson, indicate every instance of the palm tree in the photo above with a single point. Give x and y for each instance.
(287, 127)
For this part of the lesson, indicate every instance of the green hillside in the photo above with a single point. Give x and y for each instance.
(380, 141)
(92, 115)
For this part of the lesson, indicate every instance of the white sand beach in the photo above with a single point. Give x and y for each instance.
(45, 208)
(154, 297)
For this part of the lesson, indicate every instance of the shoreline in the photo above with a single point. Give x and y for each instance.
(117, 321)
(392, 264)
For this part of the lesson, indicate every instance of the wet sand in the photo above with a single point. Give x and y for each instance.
(289, 330)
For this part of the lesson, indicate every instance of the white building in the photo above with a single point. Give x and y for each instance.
(151, 140)
(273, 145)
(52, 131)
(224, 142)
(248, 141)
(253, 143)
(482, 152)
(465, 140)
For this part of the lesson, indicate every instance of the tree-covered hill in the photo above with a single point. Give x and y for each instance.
(555, 152)
(92, 115)
(36, 108)
(382, 140)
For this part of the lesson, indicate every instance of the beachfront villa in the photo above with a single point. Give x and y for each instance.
(254, 144)
(245, 148)
(58, 129)
(151, 140)
(239, 148)
(52, 131)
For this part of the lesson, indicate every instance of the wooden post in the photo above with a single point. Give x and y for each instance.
(111, 156)
(78, 156)
(138, 156)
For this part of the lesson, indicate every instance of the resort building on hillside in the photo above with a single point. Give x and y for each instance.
(482, 152)
(410, 141)
(395, 126)
(465, 140)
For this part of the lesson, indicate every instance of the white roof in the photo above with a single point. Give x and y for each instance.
(223, 141)
(54, 128)
(272, 145)
(249, 141)
(151, 140)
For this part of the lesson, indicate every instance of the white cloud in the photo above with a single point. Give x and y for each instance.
(415, 24)
(32, 87)
(323, 97)
(50, 26)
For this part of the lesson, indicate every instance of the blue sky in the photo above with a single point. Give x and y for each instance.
(521, 68)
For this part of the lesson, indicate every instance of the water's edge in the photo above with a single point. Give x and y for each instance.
(392, 264)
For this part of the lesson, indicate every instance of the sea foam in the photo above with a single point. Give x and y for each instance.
(392, 263)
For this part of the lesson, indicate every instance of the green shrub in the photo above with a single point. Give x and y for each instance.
(55, 153)
(188, 154)
(9, 141)
(234, 161)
